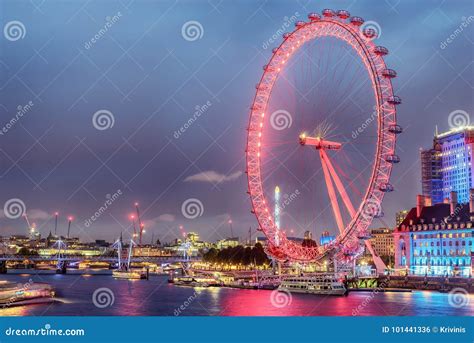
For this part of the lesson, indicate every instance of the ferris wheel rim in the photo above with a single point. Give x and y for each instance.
(386, 113)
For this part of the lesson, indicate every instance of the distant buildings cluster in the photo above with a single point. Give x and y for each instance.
(189, 246)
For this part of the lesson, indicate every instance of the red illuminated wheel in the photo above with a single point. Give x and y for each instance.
(344, 31)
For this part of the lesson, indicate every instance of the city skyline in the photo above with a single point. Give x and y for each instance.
(149, 154)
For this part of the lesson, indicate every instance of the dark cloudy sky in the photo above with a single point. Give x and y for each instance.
(151, 80)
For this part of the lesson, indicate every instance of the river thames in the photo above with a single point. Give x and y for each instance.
(156, 297)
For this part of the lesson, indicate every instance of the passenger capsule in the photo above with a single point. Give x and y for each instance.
(396, 129)
(381, 50)
(392, 158)
(394, 100)
(343, 14)
(390, 73)
(328, 13)
(286, 35)
(314, 17)
(369, 33)
(300, 23)
(386, 187)
(357, 21)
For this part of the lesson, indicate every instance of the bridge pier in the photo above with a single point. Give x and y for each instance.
(61, 268)
(3, 267)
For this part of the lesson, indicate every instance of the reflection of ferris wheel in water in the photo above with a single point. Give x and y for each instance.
(353, 222)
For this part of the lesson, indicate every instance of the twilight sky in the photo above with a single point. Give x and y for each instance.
(143, 72)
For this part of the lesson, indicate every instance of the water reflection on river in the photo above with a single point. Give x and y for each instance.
(156, 297)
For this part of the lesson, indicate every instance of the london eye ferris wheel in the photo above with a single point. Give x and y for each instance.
(323, 122)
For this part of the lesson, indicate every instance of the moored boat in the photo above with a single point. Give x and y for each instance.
(13, 294)
(194, 281)
(129, 274)
(324, 284)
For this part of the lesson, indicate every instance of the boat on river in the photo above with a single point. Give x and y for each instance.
(194, 281)
(322, 284)
(14, 294)
(129, 274)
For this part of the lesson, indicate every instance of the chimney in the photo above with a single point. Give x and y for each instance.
(446, 201)
(428, 201)
(453, 202)
(471, 200)
(419, 205)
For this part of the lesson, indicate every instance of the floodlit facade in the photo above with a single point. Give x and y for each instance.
(447, 167)
(382, 241)
(436, 239)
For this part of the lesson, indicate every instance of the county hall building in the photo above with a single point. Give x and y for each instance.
(436, 239)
